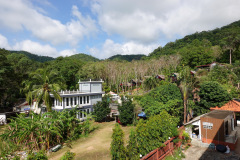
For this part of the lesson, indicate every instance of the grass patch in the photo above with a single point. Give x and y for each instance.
(96, 145)
(177, 155)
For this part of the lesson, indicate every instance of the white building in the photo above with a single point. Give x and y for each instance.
(88, 94)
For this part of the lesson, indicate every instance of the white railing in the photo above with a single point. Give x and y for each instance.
(69, 92)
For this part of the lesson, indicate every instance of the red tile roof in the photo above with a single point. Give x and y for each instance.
(230, 106)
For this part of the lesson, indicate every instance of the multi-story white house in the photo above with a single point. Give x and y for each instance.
(89, 93)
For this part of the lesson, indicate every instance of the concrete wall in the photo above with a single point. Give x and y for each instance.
(96, 87)
(84, 87)
(90, 87)
(96, 98)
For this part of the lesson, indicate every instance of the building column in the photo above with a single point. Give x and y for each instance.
(55, 103)
(77, 100)
(69, 101)
(65, 102)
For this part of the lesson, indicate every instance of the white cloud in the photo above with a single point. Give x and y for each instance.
(111, 48)
(4, 42)
(148, 21)
(36, 48)
(68, 52)
(21, 14)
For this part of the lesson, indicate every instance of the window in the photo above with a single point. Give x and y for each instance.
(67, 102)
(88, 110)
(80, 113)
(80, 100)
(75, 100)
(207, 125)
(87, 99)
(84, 100)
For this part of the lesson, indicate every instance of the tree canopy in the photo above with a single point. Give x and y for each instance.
(212, 94)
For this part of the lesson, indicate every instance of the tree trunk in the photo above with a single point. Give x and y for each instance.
(185, 110)
(230, 57)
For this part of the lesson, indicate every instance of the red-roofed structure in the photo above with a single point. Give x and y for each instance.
(230, 106)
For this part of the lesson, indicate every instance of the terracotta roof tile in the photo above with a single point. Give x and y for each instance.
(230, 106)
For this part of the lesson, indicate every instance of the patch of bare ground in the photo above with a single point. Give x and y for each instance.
(202, 153)
(94, 147)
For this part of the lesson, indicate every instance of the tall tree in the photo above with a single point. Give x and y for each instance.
(212, 94)
(126, 111)
(101, 109)
(231, 41)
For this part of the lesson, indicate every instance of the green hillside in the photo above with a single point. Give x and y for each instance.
(129, 58)
(224, 37)
(34, 56)
(84, 57)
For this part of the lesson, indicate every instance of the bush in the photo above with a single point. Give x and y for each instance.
(68, 156)
(153, 133)
(41, 155)
(132, 148)
(186, 137)
(118, 150)
(177, 155)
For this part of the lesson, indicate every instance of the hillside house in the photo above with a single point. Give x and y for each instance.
(160, 77)
(216, 127)
(209, 66)
(174, 77)
(88, 94)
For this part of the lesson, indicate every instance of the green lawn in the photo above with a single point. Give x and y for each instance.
(95, 146)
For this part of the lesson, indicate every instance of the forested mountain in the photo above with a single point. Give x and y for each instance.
(225, 38)
(128, 58)
(84, 57)
(34, 56)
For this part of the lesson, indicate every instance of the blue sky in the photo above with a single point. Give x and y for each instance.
(103, 28)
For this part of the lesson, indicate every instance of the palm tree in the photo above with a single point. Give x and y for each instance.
(43, 84)
(186, 84)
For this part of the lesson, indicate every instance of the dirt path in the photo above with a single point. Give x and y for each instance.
(94, 147)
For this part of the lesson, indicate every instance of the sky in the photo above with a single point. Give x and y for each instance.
(103, 28)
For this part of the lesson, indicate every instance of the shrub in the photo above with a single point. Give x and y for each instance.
(132, 148)
(153, 133)
(41, 155)
(117, 145)
(68, 156)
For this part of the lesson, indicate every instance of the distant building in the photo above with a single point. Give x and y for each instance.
(209, 66)
(175, 77)
(160, 77)
(88, 94)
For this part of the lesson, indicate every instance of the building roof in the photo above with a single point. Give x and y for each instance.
(232, 105)
(161, 76)
(195, 119)
(218, 114)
